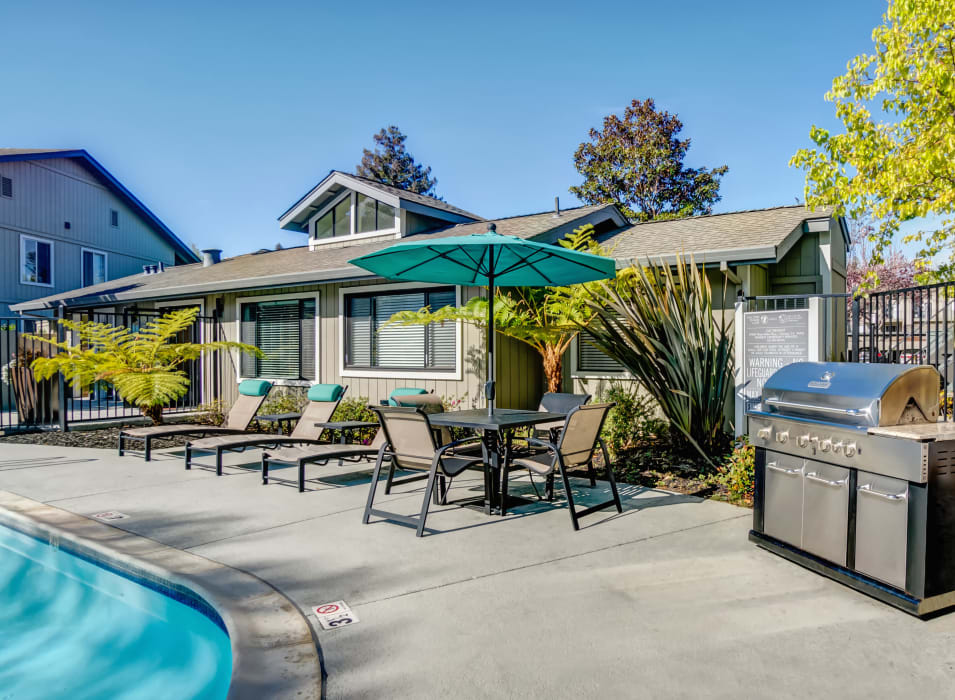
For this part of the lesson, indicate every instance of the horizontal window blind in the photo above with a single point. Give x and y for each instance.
(590, 358)
(371, 342)
(285, 331)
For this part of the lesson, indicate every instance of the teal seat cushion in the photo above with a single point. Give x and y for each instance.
(325, 392)
(404, 391)
(254, 387)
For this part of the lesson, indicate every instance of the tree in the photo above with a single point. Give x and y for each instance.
(637, 163)
(144, 366)
(896, 157)
(545, 318)
(895, 271)
(391, 164)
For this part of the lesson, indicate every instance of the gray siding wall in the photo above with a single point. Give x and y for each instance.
(47, 193)
(519, 373)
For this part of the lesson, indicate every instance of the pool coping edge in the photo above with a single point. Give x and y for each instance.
(274, 650)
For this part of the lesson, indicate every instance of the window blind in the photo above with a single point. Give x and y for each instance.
(371, 342)
(590, 358)
(285, 331)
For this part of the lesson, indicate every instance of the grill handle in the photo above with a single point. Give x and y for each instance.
(869, 491)
(812, 407)
(782, 470)
(813, 476)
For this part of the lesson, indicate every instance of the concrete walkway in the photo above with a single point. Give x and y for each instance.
(668, 599)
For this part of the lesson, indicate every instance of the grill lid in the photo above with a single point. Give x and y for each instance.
(854, 393)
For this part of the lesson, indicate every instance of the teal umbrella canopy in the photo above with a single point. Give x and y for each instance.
(482, 259)
(487, 260)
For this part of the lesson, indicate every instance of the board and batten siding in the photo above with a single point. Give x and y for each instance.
(519, 373)
(47, 193)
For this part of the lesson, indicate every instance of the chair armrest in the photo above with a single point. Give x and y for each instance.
(457, 443)
(541, 443)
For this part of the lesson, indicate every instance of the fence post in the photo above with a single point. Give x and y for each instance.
(855, 330)
(61, 382)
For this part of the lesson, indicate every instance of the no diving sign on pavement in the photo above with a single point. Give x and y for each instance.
(334, 615)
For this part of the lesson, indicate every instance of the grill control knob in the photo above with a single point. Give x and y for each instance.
(837, 447)
(764, 433)
(803, 440)
(825, 445)
(782, 437)
(851, 449)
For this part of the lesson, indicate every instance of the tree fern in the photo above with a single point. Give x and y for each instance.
(145, 366)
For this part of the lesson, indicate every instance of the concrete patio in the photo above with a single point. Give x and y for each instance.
(667, 599)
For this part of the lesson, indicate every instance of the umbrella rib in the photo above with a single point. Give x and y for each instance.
(437, 255)
(526, 261)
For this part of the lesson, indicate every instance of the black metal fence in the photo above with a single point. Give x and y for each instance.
(908, 326)
(26, 404)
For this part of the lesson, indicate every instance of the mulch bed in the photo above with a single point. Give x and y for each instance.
(103, 438)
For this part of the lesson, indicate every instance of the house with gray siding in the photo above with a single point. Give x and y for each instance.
(66, 222)
(320, 319)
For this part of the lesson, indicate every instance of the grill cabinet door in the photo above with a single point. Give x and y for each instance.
(825, 515)
(782, 507)
(882, 509)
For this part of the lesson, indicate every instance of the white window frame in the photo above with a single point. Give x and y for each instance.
(23, 255)
(451, 376)
(353, 222)
(578, 373)
(280, 297)
(105, 263)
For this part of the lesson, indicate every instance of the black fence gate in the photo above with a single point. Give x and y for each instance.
(26, 404)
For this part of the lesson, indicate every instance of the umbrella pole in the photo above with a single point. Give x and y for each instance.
(489, 387)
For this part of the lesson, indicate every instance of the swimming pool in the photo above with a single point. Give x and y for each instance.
(72, 629)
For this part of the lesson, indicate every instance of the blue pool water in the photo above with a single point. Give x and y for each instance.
(70, 629)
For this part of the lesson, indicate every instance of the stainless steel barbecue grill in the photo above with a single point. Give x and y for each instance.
(855, 478)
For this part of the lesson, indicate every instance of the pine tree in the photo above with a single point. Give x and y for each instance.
(391, 164)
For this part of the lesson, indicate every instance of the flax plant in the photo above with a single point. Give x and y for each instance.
(659, 322)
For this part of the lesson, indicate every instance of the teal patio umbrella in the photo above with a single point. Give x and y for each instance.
(488, 260)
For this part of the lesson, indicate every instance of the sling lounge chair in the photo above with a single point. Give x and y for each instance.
(252, 393)
(410, 443)
(301, 456)
(323, 399)
(576, 447)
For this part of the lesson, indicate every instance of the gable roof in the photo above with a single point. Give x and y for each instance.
(755, 234)
(299, 266)
(183, 251)
(296, 217)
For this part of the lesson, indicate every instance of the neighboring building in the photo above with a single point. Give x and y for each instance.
(320, 319)
(66, 222)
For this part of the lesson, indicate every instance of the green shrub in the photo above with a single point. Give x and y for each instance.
(736, 472)
(212, 413)
(356, 409)
(284, 400)
(633, 423)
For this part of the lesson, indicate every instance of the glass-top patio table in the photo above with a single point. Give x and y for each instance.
(496, 433)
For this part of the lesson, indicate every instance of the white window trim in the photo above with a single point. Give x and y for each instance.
(23, 239)
(353, 221)
(452, 376)
(279, 297)
(577, 373)
(105, 262)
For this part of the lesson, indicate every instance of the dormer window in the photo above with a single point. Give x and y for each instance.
(353, 213)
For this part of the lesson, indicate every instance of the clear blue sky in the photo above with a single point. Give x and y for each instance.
(220, 115)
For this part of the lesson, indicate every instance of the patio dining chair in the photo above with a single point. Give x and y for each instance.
(323, 399)
(252, 393)
(578, 443)
(411, 445)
